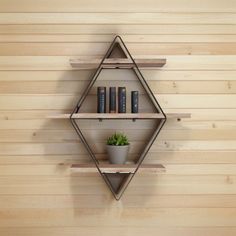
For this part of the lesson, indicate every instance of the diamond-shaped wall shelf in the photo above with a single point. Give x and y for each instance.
(117, 177)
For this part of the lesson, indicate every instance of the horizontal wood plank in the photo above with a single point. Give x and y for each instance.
(95, 29)
(122, 6)
(71, 86)
(165, 231)
(197, 114)
(51, 124)
(101, 201)
(26, 102)
(98, 49)
(118, 18)
(114, 168)
(99, 147)
(122, 116)
(155, 77)
(158, 157)
(189, 63)
(107, 38)
(143, 185)
(100, 190)
(61, 136)
(114, 63)
(166, 217)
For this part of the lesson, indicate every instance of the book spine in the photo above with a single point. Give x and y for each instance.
(112, 100)
(134, 101)
(101, 100)
(122, 100)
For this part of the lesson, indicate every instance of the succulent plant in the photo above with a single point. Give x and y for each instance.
(118, 139)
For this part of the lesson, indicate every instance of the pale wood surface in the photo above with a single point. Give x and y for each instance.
(165, 231)
(175, 62)
(114, 63)
(30, 85)
(106, 38)
(110, 116)
(118, 18)
(121, 6)
(121, 116)
(174, 29)
(97, 49)
(39, 195)
(114, 168)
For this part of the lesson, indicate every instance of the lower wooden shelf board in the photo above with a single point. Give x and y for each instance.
(115, 168)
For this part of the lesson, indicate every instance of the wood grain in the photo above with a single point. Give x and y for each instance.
(183, 63)
(68, 102)
(83, 76)
(165, 231)
(121, 6)
(39, 195)
(71, 86)
(114, 168)
(118, 18)
(106, 38)
(111, 29)
(98, 49)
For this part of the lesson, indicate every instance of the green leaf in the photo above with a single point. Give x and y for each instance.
(117, 139)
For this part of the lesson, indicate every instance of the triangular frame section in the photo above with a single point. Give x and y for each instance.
(125, 178)
(117, 52)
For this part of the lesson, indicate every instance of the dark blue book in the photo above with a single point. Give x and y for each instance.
(121, 99)
(112, 100)
(101, 100)
(134, 101)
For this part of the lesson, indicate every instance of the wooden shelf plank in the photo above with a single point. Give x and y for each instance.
(93, 63)
(114, 168)
(121, 116)
(109, 116)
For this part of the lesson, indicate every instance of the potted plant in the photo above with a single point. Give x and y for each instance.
(117, 148)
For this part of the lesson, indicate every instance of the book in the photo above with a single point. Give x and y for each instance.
(121, 99)
(101, 99)
(134, 101)
(112, 100)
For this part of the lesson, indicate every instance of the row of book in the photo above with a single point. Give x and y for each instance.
(121, 101)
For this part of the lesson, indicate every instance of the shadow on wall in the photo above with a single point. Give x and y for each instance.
(63, 146)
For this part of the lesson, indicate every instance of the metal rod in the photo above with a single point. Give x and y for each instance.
(144, 153)
(151, 96)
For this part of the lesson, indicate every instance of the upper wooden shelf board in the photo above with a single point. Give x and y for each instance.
(116, 63)
(121, 116)
(114, 168)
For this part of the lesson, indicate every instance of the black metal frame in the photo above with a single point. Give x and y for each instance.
(151, 97)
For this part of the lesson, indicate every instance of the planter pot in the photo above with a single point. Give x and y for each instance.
(117, 154)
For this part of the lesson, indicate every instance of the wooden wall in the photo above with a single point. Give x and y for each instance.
(197, 194)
